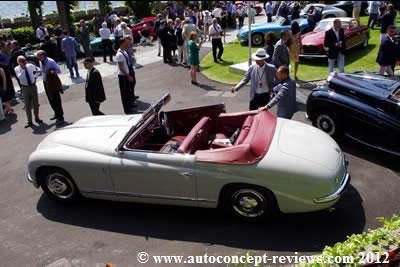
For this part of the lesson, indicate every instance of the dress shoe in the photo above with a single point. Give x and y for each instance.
(29, 124)
(53, 118)
(38, 121)
(136, 97)
(60, 122)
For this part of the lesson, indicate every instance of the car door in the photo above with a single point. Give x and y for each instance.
(154, 177)
(357, 32)
(389, 123)
(349, 35)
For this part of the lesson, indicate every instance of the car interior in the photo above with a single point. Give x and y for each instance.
(237, 134)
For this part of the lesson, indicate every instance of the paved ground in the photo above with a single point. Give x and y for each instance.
(34, 231)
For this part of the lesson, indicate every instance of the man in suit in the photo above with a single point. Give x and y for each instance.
(262, 76)
(388, 52)
(285, 95)
(94, 89)
(281, 53)
(52, 85)
(335, 46)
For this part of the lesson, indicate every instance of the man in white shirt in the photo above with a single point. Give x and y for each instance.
(106, 42)
(118, 32)
(217, 13)
(26, 75)
(215, 33)
(126, 76)
(41, 32)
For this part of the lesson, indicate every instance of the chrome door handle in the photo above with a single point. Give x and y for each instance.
(186, 174)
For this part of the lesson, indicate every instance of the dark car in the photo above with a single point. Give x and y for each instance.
(348, 7)
(362, 106)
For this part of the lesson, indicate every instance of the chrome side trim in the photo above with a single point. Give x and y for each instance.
(335, 195)
(31, 180)
(127, 194)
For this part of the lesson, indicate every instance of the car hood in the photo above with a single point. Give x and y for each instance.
(313, 38)
(96, 134)
(308, 143)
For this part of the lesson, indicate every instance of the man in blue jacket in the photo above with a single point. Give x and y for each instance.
(387, 52)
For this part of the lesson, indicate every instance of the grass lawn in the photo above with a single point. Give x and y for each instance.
(312, 69)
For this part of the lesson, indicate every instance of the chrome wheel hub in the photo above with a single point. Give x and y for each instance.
(248, 203)
(59, 185)
(326, 123)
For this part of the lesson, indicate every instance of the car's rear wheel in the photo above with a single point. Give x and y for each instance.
(257, 39)
(249, 203)
(328, 123)
(58, 185)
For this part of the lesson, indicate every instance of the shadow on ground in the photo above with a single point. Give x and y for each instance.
(373, 155)
(308, 232)
(6, 124)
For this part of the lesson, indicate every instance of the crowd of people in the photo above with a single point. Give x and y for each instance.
(181, 32)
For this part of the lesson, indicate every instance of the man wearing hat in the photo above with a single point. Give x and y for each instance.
(262, 76)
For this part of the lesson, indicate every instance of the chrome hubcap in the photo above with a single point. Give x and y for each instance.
(257, 40)
(326, 123)
(248, 203)
(59, 185)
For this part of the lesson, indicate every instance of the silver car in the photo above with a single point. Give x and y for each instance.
(252, 164)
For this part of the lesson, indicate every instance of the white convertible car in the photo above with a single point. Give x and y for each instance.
(251, 163)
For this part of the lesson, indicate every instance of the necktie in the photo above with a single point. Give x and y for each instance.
(28, 77)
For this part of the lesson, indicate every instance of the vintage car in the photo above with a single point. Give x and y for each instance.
(96, 46)
(356, 35)
(149, 22)
(362, 106)
(326, 11)
(348, 7)
(259, 30)
(250, 163)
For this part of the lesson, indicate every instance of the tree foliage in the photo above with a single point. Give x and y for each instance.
(35, 12)
(141, 9)
(104, 7)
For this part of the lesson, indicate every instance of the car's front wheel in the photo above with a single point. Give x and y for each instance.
(328, 123)
(250, 203)
(257, 39)
(58, 185)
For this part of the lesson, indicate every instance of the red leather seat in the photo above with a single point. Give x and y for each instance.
(244, 131)
(197, 137)
(253, 147)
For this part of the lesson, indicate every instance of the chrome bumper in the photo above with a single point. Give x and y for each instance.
(313, 56)
(31, 180)
(335, 195)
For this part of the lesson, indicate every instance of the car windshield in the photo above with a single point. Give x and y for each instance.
(396, 95)
(279, 20)
(324, 25)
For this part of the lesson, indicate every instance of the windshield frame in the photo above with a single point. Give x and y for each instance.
(149, 112)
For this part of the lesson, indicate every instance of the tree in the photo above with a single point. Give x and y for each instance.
(104, 7)
(64, 10)
(35, 11)
(141, 9)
